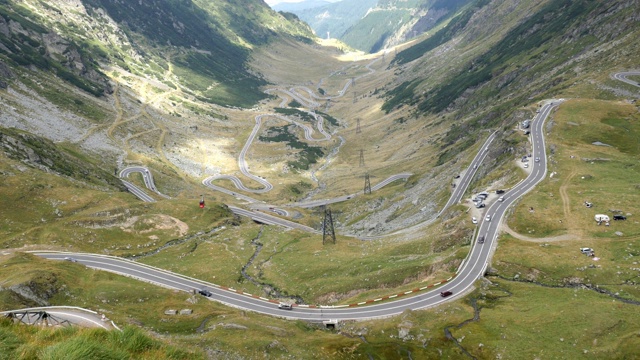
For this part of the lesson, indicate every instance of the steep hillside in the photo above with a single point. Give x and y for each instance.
(555, 45)
(208, 43)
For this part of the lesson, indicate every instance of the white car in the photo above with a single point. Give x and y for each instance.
(474, 220)
(501, 198)
(488, 218)
(526, 165)
(537, 159)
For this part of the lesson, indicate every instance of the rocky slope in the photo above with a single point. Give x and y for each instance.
(208, 41)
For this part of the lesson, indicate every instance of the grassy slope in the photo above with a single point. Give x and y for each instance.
(610, 183)
(63, 212)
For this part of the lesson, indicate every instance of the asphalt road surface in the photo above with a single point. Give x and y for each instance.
(60, 315)
(622, 76)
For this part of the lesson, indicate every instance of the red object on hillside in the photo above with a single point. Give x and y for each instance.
(202, 202)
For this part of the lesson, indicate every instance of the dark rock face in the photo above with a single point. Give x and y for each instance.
(5, 75)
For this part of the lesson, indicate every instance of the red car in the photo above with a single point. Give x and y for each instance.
(445, 293)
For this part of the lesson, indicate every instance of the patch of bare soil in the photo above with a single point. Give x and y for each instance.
(155, 222)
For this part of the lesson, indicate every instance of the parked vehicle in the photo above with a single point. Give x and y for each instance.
(601, 218)
(474, 220)
(619, 217)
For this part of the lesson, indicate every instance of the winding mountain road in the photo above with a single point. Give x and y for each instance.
(308, 134)
(471, 269)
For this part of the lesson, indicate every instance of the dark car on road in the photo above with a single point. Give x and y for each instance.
(445, 293)
(481, 240)
(205, 292)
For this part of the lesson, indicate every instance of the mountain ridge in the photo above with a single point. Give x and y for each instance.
(164, 101)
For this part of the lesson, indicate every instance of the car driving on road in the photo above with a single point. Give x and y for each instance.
(205, 292)
(445, 293)
(285, 306)
(488, 218)
(481, 240)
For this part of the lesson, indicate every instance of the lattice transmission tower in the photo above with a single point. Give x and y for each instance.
(367, 184)
(328, 232)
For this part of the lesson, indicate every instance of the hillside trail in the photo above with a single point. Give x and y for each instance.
(150, 100)
(163, 129)
(566, 207)
(564, 237)
(95, 128)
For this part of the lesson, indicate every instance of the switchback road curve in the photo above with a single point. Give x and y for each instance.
(622, 76)
(148, 182)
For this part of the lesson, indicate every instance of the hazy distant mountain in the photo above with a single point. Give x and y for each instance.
(335, 18)
(300, 6)
(370, 25)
